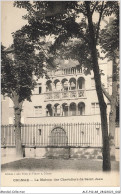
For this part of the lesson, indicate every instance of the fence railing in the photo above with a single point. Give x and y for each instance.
(68, 134)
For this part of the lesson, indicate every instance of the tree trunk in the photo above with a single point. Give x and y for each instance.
(17, 112)
(112, 116)
(102, 104)
(105, 137)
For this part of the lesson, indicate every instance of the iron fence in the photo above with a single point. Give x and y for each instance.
(58, 135)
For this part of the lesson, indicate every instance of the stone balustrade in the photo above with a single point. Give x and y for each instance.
(73, 70)
(56, 95)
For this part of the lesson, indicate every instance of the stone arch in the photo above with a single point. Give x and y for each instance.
(49, 110)
(72, 109)
(81, 83)
(72, 82)
(57, 84)
(58, 137)
(57, 109)
(65, 109)
(48, 86)
(81, 108)
(64, 84)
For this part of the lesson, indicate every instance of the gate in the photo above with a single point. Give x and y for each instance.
(56, 140)
(58, 137)
(58, 144)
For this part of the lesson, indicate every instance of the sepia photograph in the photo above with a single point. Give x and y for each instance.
(60, 94)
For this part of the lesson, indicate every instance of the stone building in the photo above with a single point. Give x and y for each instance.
(63, 117)
(68, 95)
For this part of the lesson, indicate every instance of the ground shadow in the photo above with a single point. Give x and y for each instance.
(57, 164)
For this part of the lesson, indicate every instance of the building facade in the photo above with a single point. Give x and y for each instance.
(62, 119)
(68, 95)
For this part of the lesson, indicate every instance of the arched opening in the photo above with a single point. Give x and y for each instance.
(72, 109)
(81, 83)
(65, 84)
(65, 88)
(65, 109)
(49, 111)
(81, 108)
(58, 137)
(57, 110)
(57, 85)
(48, 86)
(72, 84)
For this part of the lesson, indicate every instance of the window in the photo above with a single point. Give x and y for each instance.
(37, 89)
(40, 90)
(92, 83)
(95, 108)
(37, 111)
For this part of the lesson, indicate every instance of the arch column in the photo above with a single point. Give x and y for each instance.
(76, 109)
(77, 84)
(75, 70)
(61, 110)
(68, 86)
(53, 86)
(76, 93)
(53, 111)
(68, 110)
(68, 106)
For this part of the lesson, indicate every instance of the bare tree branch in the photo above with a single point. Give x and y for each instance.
(100, 17)
(95, 6)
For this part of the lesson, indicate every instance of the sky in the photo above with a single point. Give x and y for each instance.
(11, 20)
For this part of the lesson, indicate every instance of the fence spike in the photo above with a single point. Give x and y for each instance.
(73, 132)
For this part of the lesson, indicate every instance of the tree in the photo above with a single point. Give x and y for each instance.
(20, 67)
(109, 40)
(63, 25)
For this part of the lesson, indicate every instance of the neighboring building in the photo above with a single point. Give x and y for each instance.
(67, 96)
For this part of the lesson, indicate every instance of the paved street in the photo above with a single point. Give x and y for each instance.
(57, 164)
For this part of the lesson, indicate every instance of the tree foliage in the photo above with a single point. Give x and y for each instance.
(22, 64)
(19, 65)
(109, 39)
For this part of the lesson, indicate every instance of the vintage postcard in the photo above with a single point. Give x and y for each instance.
(60, 94)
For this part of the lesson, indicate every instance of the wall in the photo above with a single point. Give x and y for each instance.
(80, 153)
(28, 115)
(68, 119)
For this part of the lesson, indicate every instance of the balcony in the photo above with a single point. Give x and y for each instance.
(72, 94)
(68, 71)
